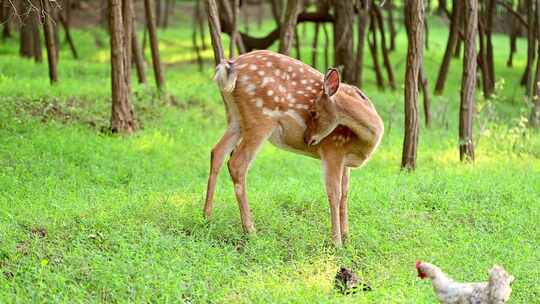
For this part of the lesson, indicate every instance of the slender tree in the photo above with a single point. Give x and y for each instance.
(385, 51)
(288, 25)
(535, 112)
(414, 20)
(531, 45)
(138, 57)
(450, 46)
(50, 42)
(343, 38)
(152, 32)
(363, 18)
(122, 117)
(468, 82)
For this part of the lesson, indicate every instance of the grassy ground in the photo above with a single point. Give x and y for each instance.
(88, 217)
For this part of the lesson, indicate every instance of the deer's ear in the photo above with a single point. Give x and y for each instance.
(331, 82)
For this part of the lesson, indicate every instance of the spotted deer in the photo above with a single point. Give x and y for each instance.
(270, 96)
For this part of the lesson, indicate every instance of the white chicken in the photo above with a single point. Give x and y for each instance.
(496, 291)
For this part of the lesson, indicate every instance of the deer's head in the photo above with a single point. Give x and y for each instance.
(324, 118)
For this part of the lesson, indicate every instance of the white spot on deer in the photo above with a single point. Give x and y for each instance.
(293, 75)
(314, 91)
(293, 83)
(250, 89)
(270, 93)
(311, 80)
(244, 78)
(289, 69)
(301, 70)
(266, 80)
(253, 67)
(300, 92)
(276, 98)
(277, 72)
(261, 73)
(281, 88)
(258, 102)
(269, 64)
(303, 81)
(308, 88)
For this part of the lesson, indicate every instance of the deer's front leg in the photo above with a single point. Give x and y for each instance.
(333, 173)
(343, 205)
(238, 167)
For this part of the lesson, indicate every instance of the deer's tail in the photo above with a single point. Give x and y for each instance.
(225, 76)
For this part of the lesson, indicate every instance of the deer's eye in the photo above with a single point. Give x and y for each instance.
(313, 113)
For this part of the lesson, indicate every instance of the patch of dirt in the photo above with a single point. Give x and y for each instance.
(39, 232)
(347, 282)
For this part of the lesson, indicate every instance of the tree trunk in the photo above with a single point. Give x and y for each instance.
(384, 49)
(363, 18)
(531, 46)
(486, 81)
(215, 30)
(391, 24)
(450, 46)
(288, 25)
(5, 18)
(152, 32)
(315, 46)
(414, 19)
(468, 82)
(122, 117)
(138, 57)
(427, 100)
(490, 11)
(343, 38)
(65, 23)
(49, 40)
(30, 41)
(326, 46)
(36, 33)
(128, 17)
(234, 34)
(200, 22)
(374, 57)
(535, 112)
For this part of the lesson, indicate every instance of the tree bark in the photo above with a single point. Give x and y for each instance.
(138, 57)
(391, 24)
(374, 57)
(450, 46)
(535, 112)
(65, 23)
(215, 30)
(154, 47)
(122, 116)
(427, 99)
(234, 34)
(441, 9)
(363, 18)
(5, 18)
(288, 25)
(468, 82)
(49, 40)
(414, 19)
(490, 12)
(526, 79)
(315, 46)
(384, 48)
(482, 61)
(343, 38)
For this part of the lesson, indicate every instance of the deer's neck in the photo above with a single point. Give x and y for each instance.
(360, 118)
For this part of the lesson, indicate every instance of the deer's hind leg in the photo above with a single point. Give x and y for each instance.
(239, 163)
(223, 148)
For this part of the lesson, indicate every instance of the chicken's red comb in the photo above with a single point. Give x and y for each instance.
(421, 274)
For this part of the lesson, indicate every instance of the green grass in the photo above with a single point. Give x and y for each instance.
(89, 217)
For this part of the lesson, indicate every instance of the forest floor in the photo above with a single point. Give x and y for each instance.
(86, 216)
